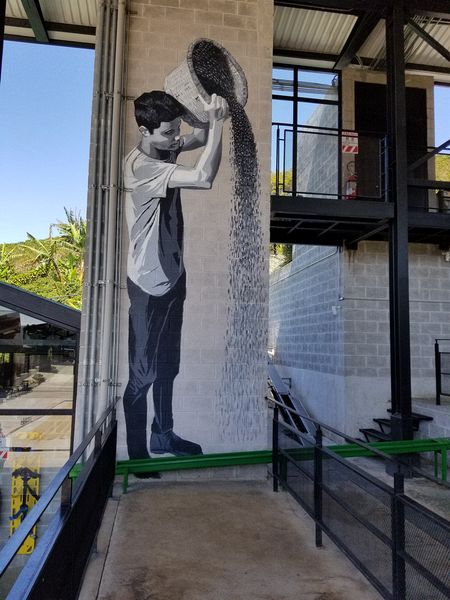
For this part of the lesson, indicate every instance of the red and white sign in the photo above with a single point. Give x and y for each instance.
(350, 143)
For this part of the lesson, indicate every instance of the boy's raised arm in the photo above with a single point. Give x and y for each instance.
(202, 175)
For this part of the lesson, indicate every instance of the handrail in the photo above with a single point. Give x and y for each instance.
(13, 545)
(427, 156)
(364, 445)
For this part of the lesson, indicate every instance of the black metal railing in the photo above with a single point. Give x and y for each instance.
(442, 367)
(429, 179)
(328, 163)
(399, 545)
(56, 567)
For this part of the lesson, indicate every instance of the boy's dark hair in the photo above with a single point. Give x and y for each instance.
(153, 108)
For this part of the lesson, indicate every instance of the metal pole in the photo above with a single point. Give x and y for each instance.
(275, 473)
(318, 477)
(437, 360)
(398, 234)
(398, 539)
(2, 31)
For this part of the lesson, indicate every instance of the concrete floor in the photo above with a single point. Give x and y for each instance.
(215, 541)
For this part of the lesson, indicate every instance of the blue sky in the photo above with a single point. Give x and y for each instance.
(45, 111)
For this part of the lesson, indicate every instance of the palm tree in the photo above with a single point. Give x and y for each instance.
(45, 254)
(6, 264)
(73, 238)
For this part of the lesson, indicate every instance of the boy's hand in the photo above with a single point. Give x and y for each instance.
(216, 109)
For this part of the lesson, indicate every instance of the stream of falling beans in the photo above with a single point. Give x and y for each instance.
(240, 415)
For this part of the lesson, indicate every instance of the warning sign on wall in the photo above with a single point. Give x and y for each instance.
(350, 142)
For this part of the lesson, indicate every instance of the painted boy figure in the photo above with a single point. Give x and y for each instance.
(156, 276)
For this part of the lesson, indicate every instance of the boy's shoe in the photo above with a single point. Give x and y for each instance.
(168, 442)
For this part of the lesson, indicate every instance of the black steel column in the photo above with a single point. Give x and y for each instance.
(2, 31)
(398, 238)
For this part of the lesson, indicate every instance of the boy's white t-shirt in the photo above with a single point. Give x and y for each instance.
(155, 223)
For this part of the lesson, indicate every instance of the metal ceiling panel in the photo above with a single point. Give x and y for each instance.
(72, 21)
(73, 12)
(311, 31)
(15, 9)
(79, 12)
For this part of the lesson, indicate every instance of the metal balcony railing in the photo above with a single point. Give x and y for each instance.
(326, 162)
(56, 567)
(442, 366)
(402, 547)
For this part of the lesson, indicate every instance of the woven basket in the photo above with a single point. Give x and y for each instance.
(184, 85)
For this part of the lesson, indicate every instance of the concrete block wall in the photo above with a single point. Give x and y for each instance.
(159, 34)
(356, 284)
(306, 332)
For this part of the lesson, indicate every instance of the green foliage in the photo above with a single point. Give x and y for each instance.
(281, 252)
(287, 183)
(52, 267)
(443, 167)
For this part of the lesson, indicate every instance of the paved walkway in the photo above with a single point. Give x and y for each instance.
(215, 541)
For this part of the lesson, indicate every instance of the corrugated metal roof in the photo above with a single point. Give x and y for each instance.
(81, 13)
(310, 30)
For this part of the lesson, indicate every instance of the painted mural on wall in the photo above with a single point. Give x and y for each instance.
(203, 91)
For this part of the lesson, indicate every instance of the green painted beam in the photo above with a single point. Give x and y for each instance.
(36, 19)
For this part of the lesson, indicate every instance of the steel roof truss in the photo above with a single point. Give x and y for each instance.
(36, 19)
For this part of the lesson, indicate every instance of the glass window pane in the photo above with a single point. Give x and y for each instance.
(282, 111)
(36, 363)
(317, 114)
(317, 162)
(283, 81)
(318, 84)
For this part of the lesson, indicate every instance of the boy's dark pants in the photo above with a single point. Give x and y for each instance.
(154, 359)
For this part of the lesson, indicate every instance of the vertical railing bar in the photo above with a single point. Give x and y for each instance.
(437, 356)
(277, 162)
(318, 476)
(398, 539)
(275, 472)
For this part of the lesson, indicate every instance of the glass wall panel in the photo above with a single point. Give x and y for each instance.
(37, 362)
(283, 81)
(318, 85)
(317, 150)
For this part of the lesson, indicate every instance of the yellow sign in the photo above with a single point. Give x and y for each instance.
(25, 487)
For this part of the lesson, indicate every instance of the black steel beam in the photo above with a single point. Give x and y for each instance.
(362, 60)
(431, 8)
(337, 210)
(36, 19)
(41, 308)
(2, 31)
(341, 6)
(359, 34)
(429, 39)
(52, 26)
(398, 231)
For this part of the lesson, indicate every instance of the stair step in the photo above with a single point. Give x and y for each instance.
(416, 416)
(387, 422)
(377, 434)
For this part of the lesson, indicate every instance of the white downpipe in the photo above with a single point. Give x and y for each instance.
(104, 127)
(111, 228)
(84, 368)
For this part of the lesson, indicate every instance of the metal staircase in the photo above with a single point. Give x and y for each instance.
(383, 433)
(281, 393)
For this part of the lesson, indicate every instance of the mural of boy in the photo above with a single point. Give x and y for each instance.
(156, 275)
